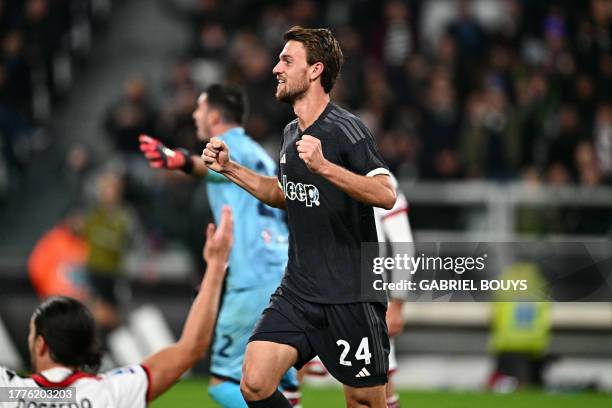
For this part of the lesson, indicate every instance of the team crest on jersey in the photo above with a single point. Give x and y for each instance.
(306, 193)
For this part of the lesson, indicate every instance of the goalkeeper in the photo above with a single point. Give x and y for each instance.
(259, 255)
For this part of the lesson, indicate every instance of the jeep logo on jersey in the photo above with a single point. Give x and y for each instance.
(302, 192)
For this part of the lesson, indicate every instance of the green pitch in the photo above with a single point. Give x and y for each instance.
(192, 393)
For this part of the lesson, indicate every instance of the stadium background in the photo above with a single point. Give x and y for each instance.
(494, 114)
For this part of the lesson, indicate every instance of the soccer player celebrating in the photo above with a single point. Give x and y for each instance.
(259, 256)
(62, 341)
(330, 176)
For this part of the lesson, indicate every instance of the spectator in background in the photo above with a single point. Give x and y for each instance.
(350, 87)
(57, 263)
(391, 41)
(15, 103)
(589, 171)
(438, 158)
(176, 121)
(603, 140)
(109, 227)
(468, 33)
(78, 167)
(562, 147)
(132, 115)
(536, 103)
(490, 136)
(211, 43)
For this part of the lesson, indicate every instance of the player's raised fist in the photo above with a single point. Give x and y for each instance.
(310, 150)
(216, 155)
(160, 156)
(219, 239)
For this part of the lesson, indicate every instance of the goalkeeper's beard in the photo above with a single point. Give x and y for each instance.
(291, 94)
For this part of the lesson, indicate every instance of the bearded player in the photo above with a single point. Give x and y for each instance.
(330, 177)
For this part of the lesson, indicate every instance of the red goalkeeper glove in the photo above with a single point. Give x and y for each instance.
(160, 156)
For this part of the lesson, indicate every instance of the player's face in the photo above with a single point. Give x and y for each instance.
(291, 73)
(200, 116)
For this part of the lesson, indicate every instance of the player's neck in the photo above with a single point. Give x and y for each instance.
(310, 107)
(223, 128)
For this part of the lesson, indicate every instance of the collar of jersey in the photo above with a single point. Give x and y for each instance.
(233, 132)
(59, 377)
(56, 374)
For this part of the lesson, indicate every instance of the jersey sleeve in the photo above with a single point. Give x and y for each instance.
(129, 386)
(5, 376)
(362, 154)
(396, 230)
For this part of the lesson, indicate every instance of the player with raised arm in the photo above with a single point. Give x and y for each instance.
(62, 341)
(330, 176)
(259, 257)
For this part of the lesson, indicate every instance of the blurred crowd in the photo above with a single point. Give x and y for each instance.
(498, 90)
(487, 89)
(41, 41)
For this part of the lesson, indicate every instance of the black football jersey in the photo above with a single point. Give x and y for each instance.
(326, 226)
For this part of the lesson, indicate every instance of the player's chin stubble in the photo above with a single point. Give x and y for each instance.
(290, 95)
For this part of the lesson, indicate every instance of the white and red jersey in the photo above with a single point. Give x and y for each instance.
(393, 227)
(126, 387)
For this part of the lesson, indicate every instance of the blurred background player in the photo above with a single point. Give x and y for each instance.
(393, 228)
(258, 260)
(57, 263)
(110, 227)
(62, 342)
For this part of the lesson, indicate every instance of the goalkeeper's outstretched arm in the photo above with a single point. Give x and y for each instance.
(162, 157)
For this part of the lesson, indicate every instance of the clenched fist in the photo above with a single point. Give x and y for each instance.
(310, 150)
(216, 155)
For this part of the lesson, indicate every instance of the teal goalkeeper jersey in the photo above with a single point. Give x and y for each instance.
(259, 254)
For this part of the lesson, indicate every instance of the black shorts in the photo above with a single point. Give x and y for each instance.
(350, 339)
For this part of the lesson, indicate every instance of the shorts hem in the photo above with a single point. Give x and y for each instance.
(364, 383)
(224, 377)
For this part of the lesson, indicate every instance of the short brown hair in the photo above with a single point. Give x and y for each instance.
(321, 46)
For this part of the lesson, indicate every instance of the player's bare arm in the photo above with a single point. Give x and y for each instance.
(376, 191)
(216, 156)
(162, 157)
(395, 320)
(169, 364)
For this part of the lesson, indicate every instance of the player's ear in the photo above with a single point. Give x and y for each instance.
(40, 346)
(316, 70)
(214, 117)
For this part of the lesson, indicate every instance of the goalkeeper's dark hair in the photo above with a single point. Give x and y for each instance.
(321, 46)
(69, 330)
(231, 100)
